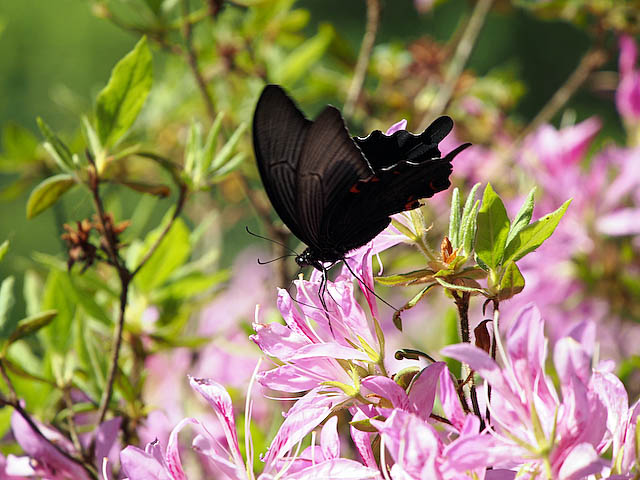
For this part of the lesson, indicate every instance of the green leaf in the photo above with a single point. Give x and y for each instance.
(7, 301)
(56, 147)
(91, 137)
(468, 222)
(4, 248)
(225, 152)
(493, 228)
(454, 218)
(48, 192)
(192, 148)
(534, 234)
(511, 283)
(173, 251)
(190, 285)
(58, 295)
(209, 149)
(119, 103)
(469, 228)
(298, 63)
(460, 288)
(32, 324)
(522, 218)
(405, 278)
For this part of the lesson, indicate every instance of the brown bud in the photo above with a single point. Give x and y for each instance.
(447, 251)
(483, 339)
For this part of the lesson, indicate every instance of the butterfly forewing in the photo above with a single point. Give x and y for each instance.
(279, 131)
(330, 164)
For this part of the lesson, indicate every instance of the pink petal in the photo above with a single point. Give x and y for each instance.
(625, 221)
(219, 399)
(401, 125)
(387, 388)
(139, 465)
(106, 436)
(337, 469)
(423, 390)
(305, 415)
(450, 401)
(329, 439)
(580, 463)
(628, 54)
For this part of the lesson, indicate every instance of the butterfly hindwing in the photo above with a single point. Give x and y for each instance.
(384, 152)
(279, 131)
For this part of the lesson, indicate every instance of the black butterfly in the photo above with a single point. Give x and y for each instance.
(334, 192)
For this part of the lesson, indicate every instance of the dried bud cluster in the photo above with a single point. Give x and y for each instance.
(78, 240)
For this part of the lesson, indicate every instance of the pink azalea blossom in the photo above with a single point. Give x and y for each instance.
(628, 92)
(282, 461)
(562, 436)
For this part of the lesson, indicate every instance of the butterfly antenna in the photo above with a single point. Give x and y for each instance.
(362, 282)
(260, 262)
(272, 240)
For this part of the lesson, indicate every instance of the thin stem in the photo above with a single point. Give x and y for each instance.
(192, 60)
(115, 351)
(462, 303)
(360, 72)
(8, 382)
(458, 62)
(592, 60)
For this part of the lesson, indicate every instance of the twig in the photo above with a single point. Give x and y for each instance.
(458, 62)
(115, 349)
(360, 72)
(8, 382)
(592, 60)
(192, 60)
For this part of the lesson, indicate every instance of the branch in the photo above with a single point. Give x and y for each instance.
(369, 38)
(458, 62)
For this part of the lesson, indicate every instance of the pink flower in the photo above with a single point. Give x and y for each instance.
(419, 452)
(315, 344)
(628, 92)
(282, 461)
(562, 436)
(43, 460)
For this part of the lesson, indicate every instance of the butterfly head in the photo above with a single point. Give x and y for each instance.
(309, 258)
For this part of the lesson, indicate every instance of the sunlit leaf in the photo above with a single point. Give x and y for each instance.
(534, 234)
(493, 228)
(119, 103)
(512, 282)
(48, 192)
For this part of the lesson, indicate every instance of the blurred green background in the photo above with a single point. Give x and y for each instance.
(56, 55)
